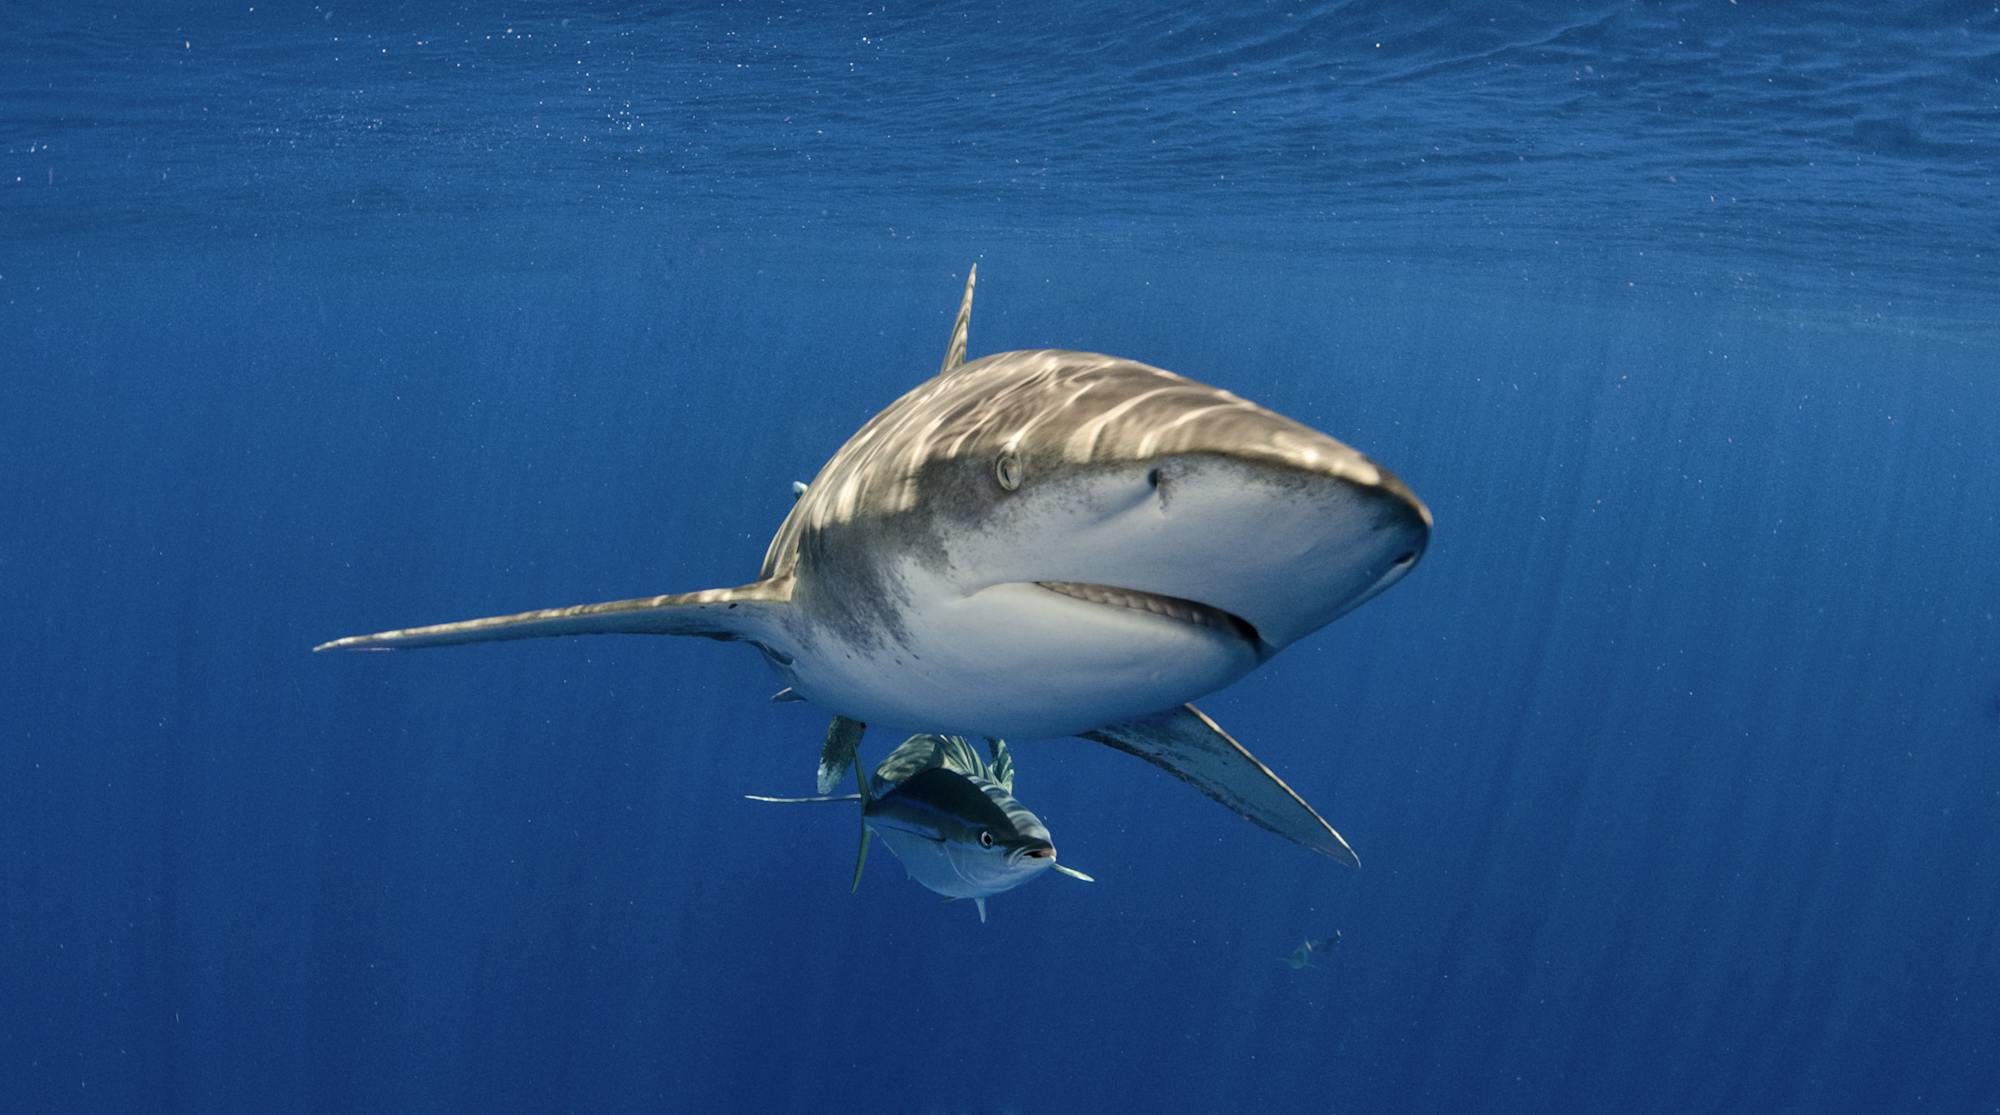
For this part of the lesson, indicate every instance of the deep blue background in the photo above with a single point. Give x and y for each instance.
(1675, 767)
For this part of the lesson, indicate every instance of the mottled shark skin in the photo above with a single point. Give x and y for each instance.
(1049, 543)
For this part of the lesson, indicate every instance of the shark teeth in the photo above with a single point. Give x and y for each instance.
(1168, 607)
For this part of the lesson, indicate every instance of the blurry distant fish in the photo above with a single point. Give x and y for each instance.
(1048, 543)
(1303, 956)
(949, 816)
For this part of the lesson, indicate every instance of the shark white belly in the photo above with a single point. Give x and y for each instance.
(1013, 661)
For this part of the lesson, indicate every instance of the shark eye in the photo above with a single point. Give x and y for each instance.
(1007, 470)
(985, 839)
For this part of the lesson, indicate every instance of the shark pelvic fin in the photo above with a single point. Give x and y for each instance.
(954, 354)
(743, 612)
(1188, 745)
(837, 753)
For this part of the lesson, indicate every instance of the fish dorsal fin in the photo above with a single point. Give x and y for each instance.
(923, 752)
(954, 354)
(1002, 768)
(1188, 745)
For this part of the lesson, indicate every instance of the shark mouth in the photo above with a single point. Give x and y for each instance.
(1168, 607)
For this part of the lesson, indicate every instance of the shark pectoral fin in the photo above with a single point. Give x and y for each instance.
(743, 612)
(954, 353)
(1188, 745)
(836, 754)
(1072, 872)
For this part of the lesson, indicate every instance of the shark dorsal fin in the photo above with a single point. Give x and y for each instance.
(954, 354)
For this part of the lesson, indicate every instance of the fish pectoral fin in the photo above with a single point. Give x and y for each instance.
(785, 696)
(860, 858)
(837, 753)
(744, 612)
(803, 801)
(867, 834)
(1072, 872)
(1188, 745)
(981, 903)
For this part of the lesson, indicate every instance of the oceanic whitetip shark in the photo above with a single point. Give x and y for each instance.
(1049, 543)
(951, 817)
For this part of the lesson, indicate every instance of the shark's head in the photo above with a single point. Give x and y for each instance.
(1043, 542)
(1109, 483)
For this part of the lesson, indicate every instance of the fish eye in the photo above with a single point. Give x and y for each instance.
(1007, 470)
(985, 839)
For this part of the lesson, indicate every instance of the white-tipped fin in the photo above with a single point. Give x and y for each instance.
(1069, 871)
(719, 613)
(837, 753)
(1188, 745)
(954, 353)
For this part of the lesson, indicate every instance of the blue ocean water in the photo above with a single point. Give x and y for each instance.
(1674, 768)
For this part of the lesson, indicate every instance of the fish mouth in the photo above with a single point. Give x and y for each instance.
(1041, 853)
(1166, 607)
